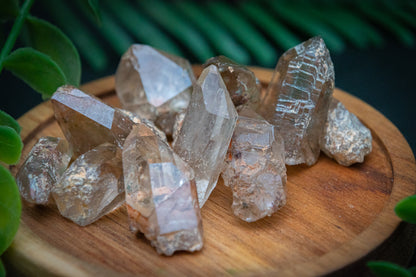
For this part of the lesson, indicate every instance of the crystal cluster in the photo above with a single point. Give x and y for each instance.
(121, 154)
(92, 186)
(42, 168)
(207, 129)
(242, 84)
(298, 97)
(345, 138)
(255, 169)
(154, 84)
(161, 196)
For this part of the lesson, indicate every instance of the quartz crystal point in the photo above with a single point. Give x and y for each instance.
(87, 122)
(42, 168)
(241, 83)
(207, 129)
(298, 97)
(255, 168)
(154, 84)
(345, 138)
(161, 196)
(92, 186)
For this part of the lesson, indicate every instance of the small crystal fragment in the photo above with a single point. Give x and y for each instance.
(345, 138)
(161, 196)
(92, 186)
(255, 168)
(87, 122)
(241, 83)
(178, 125)
(298, 97)
(139, 120)
(154, 84)
(42, 168)
(207, 129)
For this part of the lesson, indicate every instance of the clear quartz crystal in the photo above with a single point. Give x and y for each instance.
(242, 84)
(161, 196)
(87, 122)
(92, 186)
(255, 167)
(345, 138)
(178, 125)
(298, 97)
(207, 129)
(154, 84)
(42, 168)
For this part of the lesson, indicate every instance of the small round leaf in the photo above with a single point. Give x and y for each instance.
(387, 269)
(10, 209)
(10, 145)
(7, 120)
(36, 69)
(406, 209)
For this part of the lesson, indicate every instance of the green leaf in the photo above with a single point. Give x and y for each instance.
(9, 9)
(412, 270)
(38, 70)
(2, 270)
(7, 120)
(387, 269)
(10, 145)
(10, 209)
(406, 209)
(51, 41)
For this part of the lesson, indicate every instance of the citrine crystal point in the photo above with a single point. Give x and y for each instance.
(87, 122)
(42, 168)
(345, 138)
(242, 84)
(255, 168)
(92, 186)
(154, 84)
(207, 129)
(298, 97)
(161, 196)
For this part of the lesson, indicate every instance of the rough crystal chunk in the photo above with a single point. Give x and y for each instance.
(298, 97)
(92, 186)
(154, 84)
(255, 168)
(207, 129)
(87, 122)
(242, 84)
(345, 138)
(161, 195)
(42, 168)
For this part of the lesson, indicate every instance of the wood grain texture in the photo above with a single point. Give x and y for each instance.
(334, 216)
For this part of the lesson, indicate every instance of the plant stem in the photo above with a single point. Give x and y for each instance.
(14, 33)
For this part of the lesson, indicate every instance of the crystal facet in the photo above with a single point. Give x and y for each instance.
(298, 97)
(161, 195)
(207, 129)
(92, 186)
(87, 122)
(178, 125)
(345, 138)
(154, 84)
(255, 168)
(42, 168)
(241, 83)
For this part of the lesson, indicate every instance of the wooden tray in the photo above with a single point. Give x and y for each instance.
(334, 216)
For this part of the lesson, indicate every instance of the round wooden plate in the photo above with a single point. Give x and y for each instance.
(334, 215)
